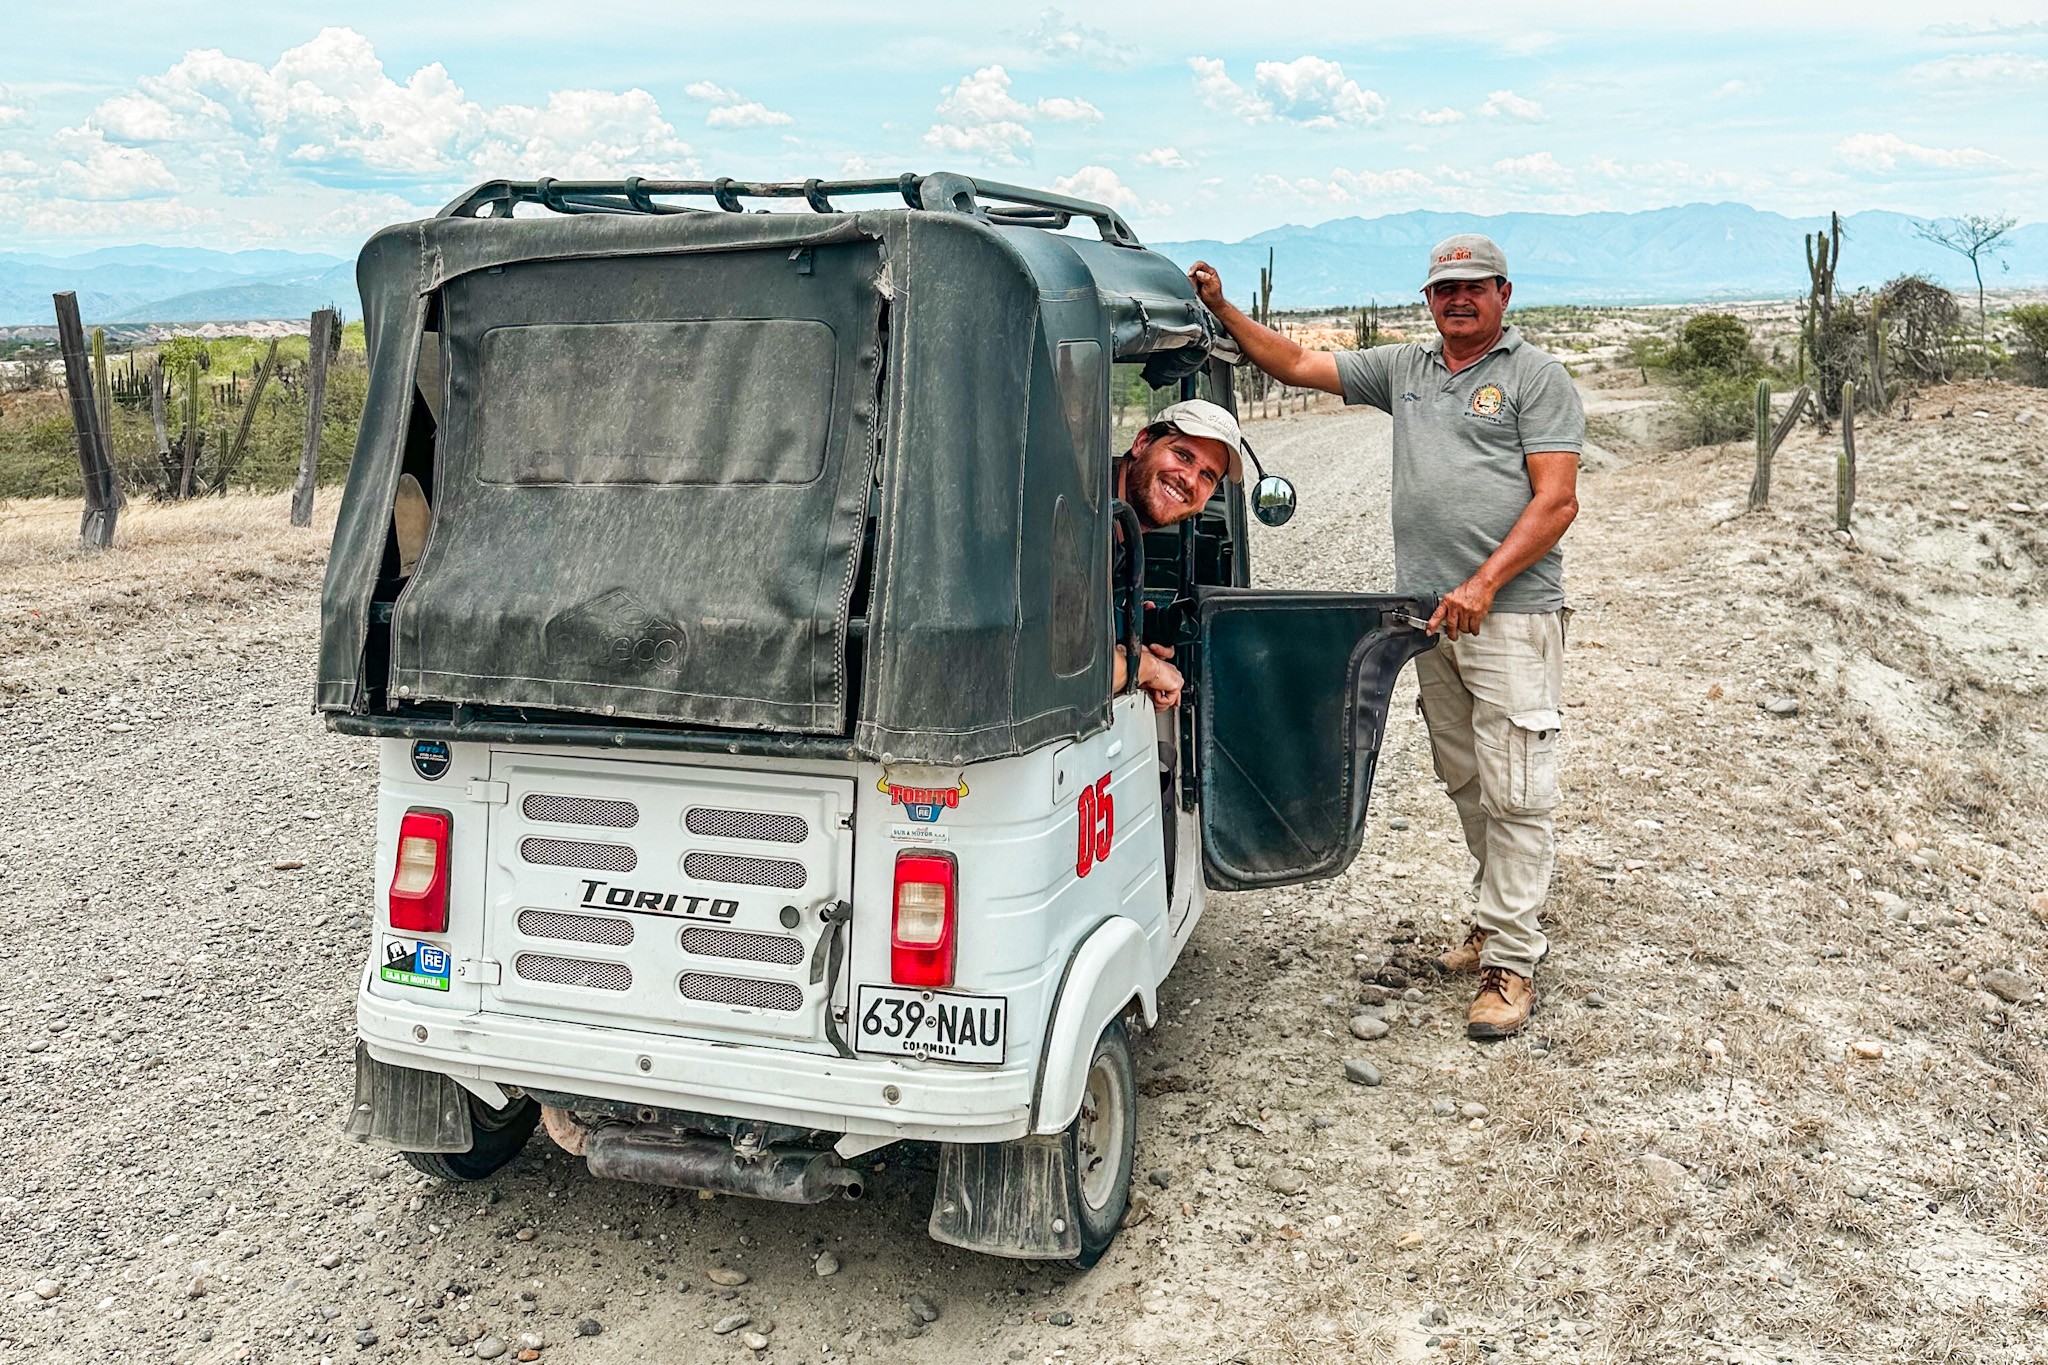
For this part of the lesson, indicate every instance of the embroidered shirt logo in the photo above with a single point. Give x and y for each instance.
(1487, 401)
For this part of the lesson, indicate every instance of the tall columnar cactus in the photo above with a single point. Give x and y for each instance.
(191, 428)
(1823, 255)
(1845, 463)
(1760, 486)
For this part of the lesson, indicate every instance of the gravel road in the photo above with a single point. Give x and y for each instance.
(1785, 1100)
(185, 866)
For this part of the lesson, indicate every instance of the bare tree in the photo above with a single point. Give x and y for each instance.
(1974, 235)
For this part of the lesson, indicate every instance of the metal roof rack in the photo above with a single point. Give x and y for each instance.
(944, 191)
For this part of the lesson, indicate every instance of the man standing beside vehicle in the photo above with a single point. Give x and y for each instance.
(1487, 434)
(1167, 476)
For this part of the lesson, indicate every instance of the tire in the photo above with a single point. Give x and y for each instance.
(1102, 1144)
(500, 1135)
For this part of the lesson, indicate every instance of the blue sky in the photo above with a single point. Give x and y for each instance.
(234, 125)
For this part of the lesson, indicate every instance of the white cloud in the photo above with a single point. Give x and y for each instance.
(1989, 71)
(980, 117)
(327, 109)
(1348, 186)
(1890, 152)
(1104, 186)
(1062, 110)
(2031, 28)
(1315, 93)
(1004, 143)
(1735, 89)
(1215, 88)
(583, 134)
(99, 170)
(1061, 38)
(1436, 118)
(1311, 92)
(1507, 104)
(1166, 158)
(731, 109)
(1535, 166)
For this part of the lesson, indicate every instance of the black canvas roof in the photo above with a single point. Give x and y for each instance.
(661, 435)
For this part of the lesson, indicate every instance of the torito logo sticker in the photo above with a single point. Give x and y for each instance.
(922, 804)
(1487, 401)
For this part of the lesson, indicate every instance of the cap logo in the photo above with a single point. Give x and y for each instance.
(1456, 253)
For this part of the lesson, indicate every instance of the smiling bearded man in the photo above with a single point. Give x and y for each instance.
(1487, 431)
(1168, 475)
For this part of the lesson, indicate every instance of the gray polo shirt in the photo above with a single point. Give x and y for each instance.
(1459, 443)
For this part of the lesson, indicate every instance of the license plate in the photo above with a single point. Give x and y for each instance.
(938, 1024)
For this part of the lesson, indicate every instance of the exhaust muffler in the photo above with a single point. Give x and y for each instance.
(662, 1156)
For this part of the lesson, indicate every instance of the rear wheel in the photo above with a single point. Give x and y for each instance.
(500, 1134)
(1103, 1144)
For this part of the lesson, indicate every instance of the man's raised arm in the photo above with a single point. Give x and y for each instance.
(1286, 359)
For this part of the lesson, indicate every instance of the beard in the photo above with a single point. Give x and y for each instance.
(1147, 490)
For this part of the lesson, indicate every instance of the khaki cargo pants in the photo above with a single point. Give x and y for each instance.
(1491, 703)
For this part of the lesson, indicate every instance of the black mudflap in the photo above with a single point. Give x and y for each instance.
(413, 1111)
(1012, 1199)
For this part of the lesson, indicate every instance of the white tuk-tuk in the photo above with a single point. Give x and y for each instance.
(730, 596)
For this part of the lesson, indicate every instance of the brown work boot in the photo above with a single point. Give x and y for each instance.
(1464, 957)
(1505, 1001)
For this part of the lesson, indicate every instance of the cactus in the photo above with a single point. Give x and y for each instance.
(1845, 463)
(1760, 486)
(191, 434)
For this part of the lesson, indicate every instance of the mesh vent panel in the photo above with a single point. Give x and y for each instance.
(578, 810)
(777, 948)
(575, 928)
(742, 871)
(572, 853)
(570, 971)
(747, 824)
(740, 990)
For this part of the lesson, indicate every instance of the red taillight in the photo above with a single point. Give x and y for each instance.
(921, 938)
(419, 881)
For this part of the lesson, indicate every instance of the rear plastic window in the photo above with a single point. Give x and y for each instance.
(722, 401)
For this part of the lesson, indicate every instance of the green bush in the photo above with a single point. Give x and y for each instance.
(2032, 321)
(1719, 407)
(1717, 342)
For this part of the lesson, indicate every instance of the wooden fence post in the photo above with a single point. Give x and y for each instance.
(316, 396)
(95, 468)
(1845, 464)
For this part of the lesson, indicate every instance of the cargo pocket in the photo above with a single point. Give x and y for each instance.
(1532, 760)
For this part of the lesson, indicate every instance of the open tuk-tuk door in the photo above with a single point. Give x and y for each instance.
(1291, 711)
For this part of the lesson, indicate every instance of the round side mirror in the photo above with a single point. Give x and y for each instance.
(1273, 500)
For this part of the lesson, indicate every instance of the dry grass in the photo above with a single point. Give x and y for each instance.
(198, 563)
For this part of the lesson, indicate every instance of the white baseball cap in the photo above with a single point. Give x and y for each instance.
(1200, 417)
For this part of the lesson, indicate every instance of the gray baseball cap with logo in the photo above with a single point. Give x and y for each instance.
(1467, 256)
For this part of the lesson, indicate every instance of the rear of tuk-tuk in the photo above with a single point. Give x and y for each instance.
(727, 596)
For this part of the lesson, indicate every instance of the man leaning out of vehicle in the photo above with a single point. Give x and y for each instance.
(1167, 476)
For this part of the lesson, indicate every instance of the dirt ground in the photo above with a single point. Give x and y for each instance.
(1784, 1101)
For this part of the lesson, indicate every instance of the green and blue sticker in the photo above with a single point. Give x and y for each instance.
(415, 962)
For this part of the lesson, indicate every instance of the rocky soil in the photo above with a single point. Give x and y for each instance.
(1785, 1100)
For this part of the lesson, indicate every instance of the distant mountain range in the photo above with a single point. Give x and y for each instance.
(175, 284)
(1696, 253)
(1679, 255)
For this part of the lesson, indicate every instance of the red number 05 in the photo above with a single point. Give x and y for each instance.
(1098, 826)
